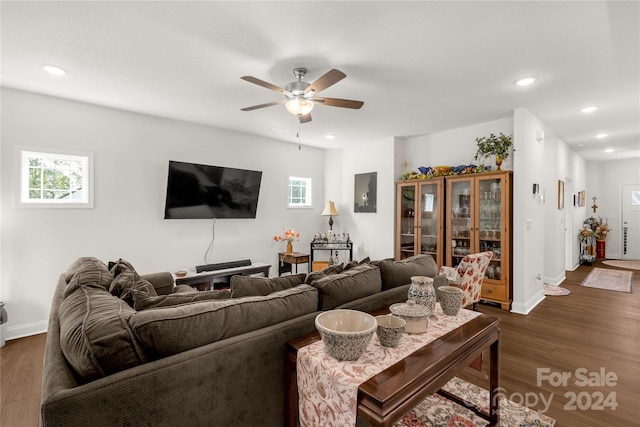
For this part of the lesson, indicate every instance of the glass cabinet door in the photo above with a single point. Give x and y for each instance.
(460, 220)
(429, 220)
(490, 224)
(407, 215)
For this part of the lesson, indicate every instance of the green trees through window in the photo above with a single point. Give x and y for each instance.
(54, 178)
(299, 194)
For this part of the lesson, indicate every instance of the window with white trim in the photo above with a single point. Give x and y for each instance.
(55, 179)
(299, 192)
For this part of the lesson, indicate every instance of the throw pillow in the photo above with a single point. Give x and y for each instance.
(172, 330)
(315, 275)
(95, 337)
(163, 282)
(334, 269)
(247, 286)
(350, 265)
(126, 279)
(143, 301)
(73, 268)
(87, 271)
(350, 285)
(398, 273)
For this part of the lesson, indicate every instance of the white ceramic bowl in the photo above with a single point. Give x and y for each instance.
(345, 333)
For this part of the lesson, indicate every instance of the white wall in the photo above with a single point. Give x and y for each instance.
(454, 147)
(131, 162)
(372, 232)
(528, 212)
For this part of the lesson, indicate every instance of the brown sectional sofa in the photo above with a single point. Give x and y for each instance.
(127, 350)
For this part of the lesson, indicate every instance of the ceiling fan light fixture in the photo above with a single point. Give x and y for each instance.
(299, 106)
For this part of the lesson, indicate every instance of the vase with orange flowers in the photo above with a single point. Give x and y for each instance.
(288, 235)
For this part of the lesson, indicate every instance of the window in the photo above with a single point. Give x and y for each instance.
(55, 179)
(635, 198)
(299, 192)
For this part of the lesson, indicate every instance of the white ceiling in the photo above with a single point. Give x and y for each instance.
(420, 67)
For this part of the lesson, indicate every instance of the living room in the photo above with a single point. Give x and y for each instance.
(131, 151)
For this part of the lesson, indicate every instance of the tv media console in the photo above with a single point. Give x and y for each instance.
(209, 280)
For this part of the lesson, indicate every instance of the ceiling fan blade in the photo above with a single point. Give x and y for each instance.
(337, 102)
(262, 83)
(304, 118)
(330, 78)
(268, 104)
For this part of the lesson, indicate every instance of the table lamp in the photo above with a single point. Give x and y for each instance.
(330, 211)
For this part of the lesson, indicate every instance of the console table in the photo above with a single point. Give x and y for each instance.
(209, 279)
(331, 246)
(387, 396)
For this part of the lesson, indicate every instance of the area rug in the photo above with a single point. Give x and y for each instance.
(631, 265)
(555, 291)
(436, 411)
(606, 278)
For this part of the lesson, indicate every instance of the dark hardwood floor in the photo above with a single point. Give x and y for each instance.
(583, 334)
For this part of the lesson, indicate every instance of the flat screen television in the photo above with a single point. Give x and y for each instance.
(201, 191)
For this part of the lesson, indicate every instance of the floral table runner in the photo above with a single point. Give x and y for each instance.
(328, 389)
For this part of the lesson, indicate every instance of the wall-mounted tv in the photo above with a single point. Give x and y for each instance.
(201, 191)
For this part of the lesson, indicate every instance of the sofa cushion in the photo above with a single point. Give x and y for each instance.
(248, 286)
(143, 301)
(171, 330)
(126, 279)
(355, 283)
(398, 273)
(87, 270)
(94, 334)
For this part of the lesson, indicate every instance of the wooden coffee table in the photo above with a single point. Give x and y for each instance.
(386, 397)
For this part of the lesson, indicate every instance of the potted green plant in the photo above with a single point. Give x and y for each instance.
(497, 146)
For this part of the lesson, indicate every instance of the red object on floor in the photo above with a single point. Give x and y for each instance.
(601, 249)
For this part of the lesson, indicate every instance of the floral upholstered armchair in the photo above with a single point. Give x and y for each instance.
(468, 276)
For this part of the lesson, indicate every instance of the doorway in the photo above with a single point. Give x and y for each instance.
(631, 221)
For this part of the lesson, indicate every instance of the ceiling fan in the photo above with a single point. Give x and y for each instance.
(300, 96)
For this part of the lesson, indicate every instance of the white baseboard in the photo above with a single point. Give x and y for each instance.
(27, 329)
(555, 281)
(529, 305)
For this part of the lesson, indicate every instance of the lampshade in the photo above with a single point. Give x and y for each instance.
(299, 106)
(330, 209)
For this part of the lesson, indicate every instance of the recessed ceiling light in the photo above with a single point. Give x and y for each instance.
(525, 82)
(602, 135)
(589, 109)
(330, 136)
(609, 150)
(54, 69)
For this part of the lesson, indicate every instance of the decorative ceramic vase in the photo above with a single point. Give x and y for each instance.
(498, 162)
(422, 292)
(289, 247)
(450, 298)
